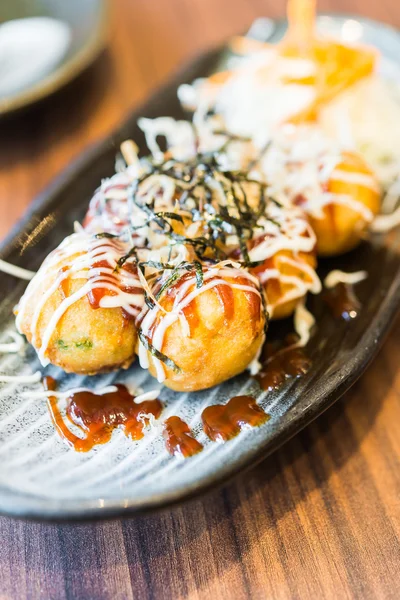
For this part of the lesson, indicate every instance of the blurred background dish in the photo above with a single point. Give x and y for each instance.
(44, 44)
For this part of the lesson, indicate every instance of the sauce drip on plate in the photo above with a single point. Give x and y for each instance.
(96, 416)
(179, 439)
(285, 364)
(223, 422)
(343, 302)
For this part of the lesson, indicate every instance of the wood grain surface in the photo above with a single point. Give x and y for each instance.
(318, 519)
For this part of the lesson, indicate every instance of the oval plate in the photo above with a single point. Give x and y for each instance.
(87, 26)
(41, 478)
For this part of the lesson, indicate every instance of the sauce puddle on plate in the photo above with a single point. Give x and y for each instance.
(222, 422)
(179, 439)
(97, 415)
(281, 364)
(342, 302)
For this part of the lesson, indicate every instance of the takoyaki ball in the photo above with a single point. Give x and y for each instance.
(344, 224)
(296, 277)
(63, 319)
(216, 335)
(284, 258)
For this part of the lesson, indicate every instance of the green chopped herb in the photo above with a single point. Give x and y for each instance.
(84, 345)
(62, 345)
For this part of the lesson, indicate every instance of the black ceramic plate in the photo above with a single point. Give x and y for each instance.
(40, 477)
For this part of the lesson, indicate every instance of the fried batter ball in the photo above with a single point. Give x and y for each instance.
(220, 334)
(296, 277)
(343, 225)
(58, 317)
(285, 253)
(334, 187)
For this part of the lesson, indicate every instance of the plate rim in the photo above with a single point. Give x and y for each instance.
(65, 72)
(23, 505)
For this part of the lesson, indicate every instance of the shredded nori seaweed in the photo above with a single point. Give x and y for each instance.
(157, 354)
(105, 234)
(195, 180)
(123, 259)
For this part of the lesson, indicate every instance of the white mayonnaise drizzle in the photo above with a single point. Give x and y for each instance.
(299, 164)
(335, 277)
(255, 366)
(303, 324)
(64, 395)
(109, 389)
(34, 378)
(355, 178)
(151, 395)
(392, 195)
(304, 321)
(383, 223)
(12, 347)
(75, 259)
(287, 231)
(16, 271)
(109, 209)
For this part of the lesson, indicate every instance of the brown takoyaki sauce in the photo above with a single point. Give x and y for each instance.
(97, 416)
(223, 422)
(282, 364)
(96, 294)
(342, 302)
(179, 439)
(224, 294)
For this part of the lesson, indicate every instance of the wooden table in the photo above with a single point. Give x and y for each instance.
(318, 519)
